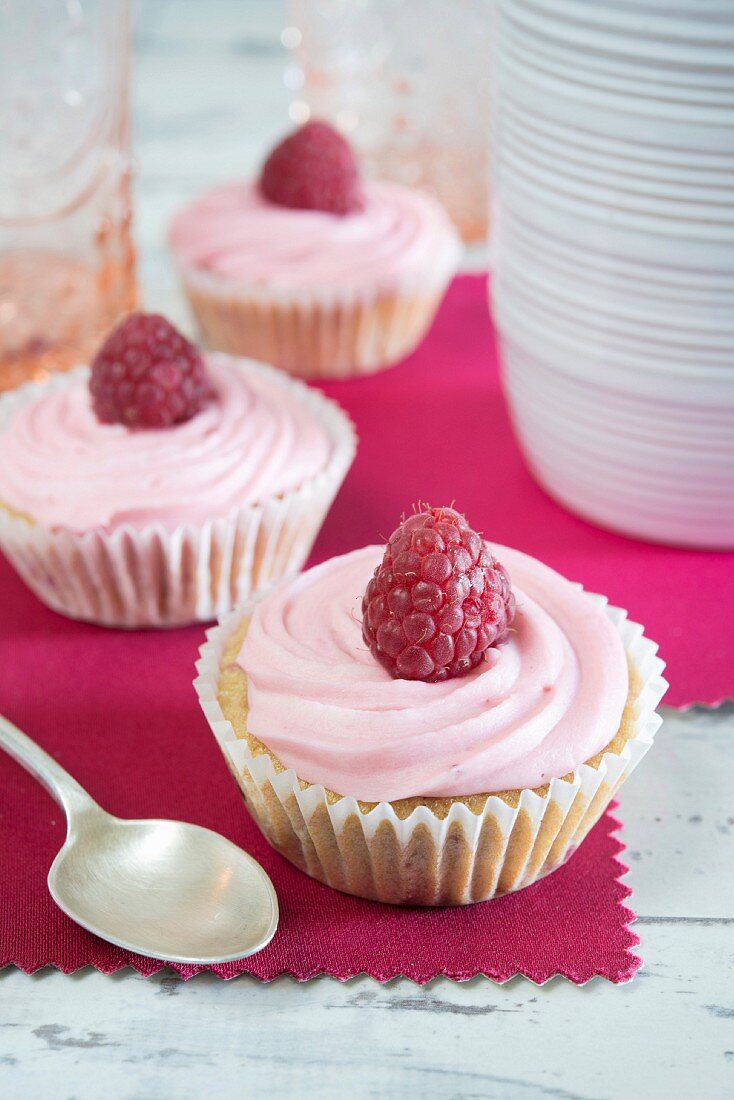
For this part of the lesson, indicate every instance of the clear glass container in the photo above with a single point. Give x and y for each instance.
(66, 255)
(409, 82)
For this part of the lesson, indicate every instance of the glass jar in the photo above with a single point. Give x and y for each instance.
(66, 255)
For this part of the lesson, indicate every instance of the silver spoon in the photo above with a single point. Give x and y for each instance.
(162, 888)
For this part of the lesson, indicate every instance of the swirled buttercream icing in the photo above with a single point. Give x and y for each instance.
(233, 233)
(59, 465)
(543, 702)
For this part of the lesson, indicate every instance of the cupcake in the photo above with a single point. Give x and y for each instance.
(421, 724)
(311, 268)
(163, 487)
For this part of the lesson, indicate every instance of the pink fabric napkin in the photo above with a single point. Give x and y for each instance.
(89, 695)
(434, 428)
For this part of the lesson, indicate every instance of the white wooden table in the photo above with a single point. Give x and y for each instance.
(209, 96)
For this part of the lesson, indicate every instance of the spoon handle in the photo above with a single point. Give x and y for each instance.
(34, 759)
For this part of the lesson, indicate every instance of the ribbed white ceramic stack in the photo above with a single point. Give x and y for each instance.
(613, 257)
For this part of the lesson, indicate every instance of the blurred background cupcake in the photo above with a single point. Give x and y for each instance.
(311, 268)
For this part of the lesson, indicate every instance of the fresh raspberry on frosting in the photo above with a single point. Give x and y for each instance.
(438, 600)
(314, 168)
(147, 375)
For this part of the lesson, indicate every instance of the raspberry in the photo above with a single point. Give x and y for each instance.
(438, 600)
(313, 169)
(147, 375)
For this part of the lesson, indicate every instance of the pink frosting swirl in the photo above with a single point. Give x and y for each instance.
(232, 233)
(60, 466)
(543, 703)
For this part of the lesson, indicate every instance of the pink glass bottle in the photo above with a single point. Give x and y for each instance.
(67, 269)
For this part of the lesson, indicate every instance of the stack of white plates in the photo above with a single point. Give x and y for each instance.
(613, 257)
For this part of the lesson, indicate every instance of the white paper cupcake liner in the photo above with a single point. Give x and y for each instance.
(425, 859)
(318, 332)
(152, 577)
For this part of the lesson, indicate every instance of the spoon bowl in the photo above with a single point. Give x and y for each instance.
(167, 889)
